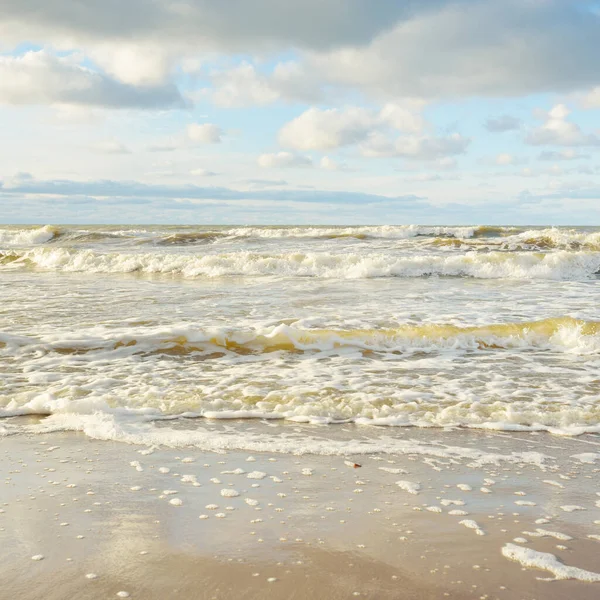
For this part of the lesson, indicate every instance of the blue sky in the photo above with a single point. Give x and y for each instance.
(442, 111)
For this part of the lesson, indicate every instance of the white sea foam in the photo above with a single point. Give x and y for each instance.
(27, 237)
(123, 428)
(547, 562)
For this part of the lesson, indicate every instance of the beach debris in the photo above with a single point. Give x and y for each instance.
(352, 464)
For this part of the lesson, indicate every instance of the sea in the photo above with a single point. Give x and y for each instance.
(156, 334)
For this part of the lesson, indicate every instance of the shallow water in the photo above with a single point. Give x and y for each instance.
(107, 328)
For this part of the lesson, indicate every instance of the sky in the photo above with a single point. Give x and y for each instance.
(300, 112)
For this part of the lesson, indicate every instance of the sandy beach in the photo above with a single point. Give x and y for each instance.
(89, 519)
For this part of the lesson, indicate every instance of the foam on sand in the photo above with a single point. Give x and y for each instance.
(547, 562)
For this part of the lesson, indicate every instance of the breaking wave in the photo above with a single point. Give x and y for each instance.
(559, 265)
(564, 334)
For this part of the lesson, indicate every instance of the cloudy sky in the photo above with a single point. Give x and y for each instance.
(312, 111)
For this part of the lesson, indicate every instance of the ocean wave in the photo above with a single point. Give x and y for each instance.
(29, 236)
(547, 239)
(468, 237)
(559, 265)
(124, 428)
(33, 236)
(564, 334)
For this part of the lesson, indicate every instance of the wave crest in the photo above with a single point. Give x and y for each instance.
(560, 265)
(560, 334)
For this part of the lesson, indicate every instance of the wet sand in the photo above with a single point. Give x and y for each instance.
(103, 517)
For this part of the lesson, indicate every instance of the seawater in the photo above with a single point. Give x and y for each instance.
(111, 329)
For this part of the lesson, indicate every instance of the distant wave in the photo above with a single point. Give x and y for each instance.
(33, 236)
(477, 237)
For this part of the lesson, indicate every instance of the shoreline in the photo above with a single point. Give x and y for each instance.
(130, 515)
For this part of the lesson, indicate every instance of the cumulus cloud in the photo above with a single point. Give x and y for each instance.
(245, 85)
(280, 160)
(204, 133)
(318, 129)
(558, 131)
(502, 123)
(39, 77)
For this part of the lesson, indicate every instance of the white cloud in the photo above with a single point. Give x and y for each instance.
(205, 133)
(203, 173)
(317, 129)
(558, 131)
(505, 159)
(502, 123)
(425, 148)
(329, 164)
(592, 98)
(244, 85)
(283, 160)
(39, 77)
(431, 148)
(567, 154)
(166, 147)
(110, 147)
(137, 64)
